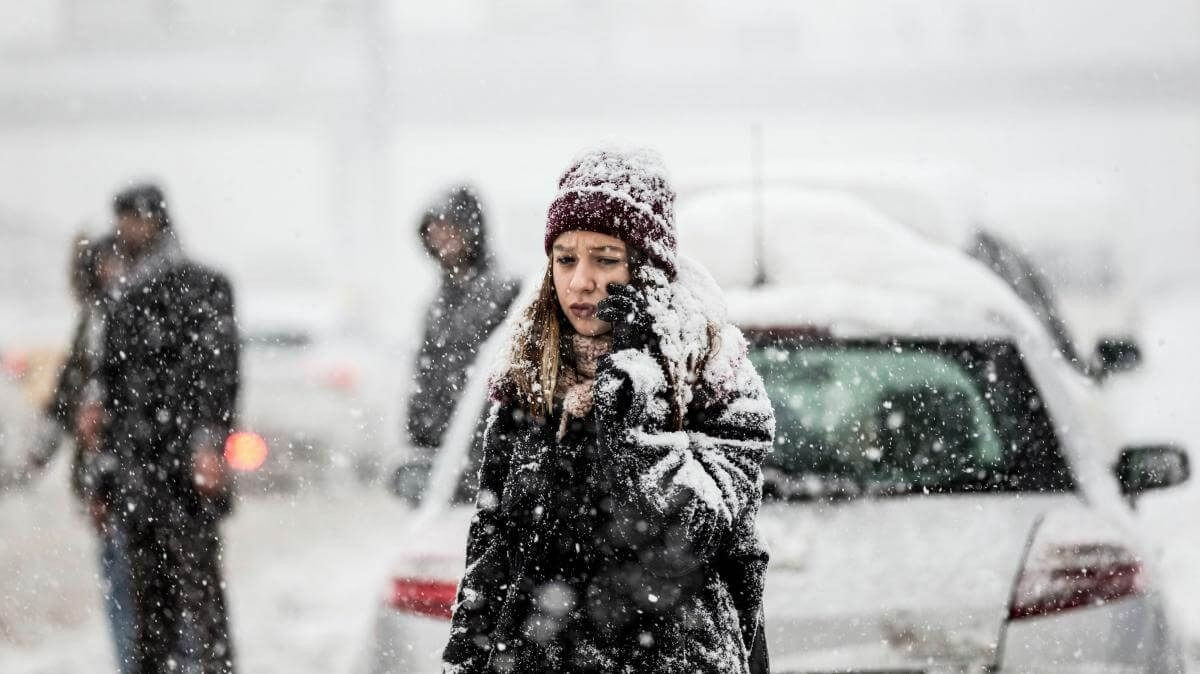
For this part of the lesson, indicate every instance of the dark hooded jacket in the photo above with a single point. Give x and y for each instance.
(64, 404)
(471, 301)
(624, 546)
(72, 378)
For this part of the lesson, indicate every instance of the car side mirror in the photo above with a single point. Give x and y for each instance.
(409, 480)
(1117, 354)
(1145, 468)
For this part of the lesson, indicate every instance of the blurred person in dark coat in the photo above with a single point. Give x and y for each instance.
(74, 411)
(170, 382)
(67, 412)
(472, 299)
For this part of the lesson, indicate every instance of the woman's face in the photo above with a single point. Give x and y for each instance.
(584, 263)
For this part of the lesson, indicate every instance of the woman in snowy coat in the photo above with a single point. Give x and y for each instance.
(621, 476)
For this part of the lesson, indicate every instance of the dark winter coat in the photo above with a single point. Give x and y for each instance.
(170, 382)
(626, 546)
(68, 390)
(80, 368)
(470, 303)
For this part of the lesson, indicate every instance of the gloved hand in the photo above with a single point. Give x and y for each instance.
(208, 471)
(89, 424)
(625, 310)
(619, 404)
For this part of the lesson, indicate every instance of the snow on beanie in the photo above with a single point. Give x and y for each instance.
(624, 194)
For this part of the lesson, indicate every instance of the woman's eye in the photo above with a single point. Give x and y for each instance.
(609, 261)
(565, 259)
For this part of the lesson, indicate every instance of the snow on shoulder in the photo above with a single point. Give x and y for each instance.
(700, 350)
(683, 310)
(691, 321)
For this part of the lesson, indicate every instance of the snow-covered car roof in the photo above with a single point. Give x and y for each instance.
(831, 261)
(939, 201)
(835, 264)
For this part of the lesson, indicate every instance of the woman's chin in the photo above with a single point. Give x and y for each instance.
(591, 327)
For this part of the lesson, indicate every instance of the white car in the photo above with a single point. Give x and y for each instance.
(315, 407)
(941, 497)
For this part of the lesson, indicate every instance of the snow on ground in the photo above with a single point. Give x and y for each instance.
(1159, 403)
(1170, 520)
(305, 574)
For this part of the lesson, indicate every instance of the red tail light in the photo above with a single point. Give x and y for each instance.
(343, 378)
(1076, 576)
(15, 365)
(434, 598)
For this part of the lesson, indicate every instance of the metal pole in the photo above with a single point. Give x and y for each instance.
(758, 226)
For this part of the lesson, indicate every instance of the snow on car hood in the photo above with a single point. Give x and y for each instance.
(893, 582)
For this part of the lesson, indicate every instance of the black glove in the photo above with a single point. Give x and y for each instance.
(625, 309)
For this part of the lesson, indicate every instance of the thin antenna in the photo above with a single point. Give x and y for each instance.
(758, 227)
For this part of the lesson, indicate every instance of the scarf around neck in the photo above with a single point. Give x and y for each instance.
(162, 255)
(575, 381)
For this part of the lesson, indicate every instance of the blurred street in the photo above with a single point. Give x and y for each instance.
(304, 576)
(965, 225)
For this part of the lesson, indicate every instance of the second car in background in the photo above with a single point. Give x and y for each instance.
(317, 408)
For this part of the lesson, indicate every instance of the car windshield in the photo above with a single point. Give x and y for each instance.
(892, 417)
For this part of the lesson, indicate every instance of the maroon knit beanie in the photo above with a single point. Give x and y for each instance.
(621, 194)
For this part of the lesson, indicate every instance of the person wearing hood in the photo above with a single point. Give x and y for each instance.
(169, 377)
(473, 297)
(615, 528)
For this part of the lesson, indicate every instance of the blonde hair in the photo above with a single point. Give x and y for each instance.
(537, 349)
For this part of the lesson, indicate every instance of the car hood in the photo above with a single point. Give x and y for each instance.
(893, 582)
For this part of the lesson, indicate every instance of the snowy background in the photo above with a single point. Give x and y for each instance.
(298, 140)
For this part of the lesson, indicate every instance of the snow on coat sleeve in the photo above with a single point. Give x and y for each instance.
(480, 593)
(691, 489)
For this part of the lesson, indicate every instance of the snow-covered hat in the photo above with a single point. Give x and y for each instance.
(625, 194)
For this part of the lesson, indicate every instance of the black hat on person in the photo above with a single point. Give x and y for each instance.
(144, 199)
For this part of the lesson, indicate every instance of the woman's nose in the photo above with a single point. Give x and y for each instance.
(583, 281)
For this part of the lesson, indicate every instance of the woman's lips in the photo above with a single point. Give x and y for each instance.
(582, 310)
